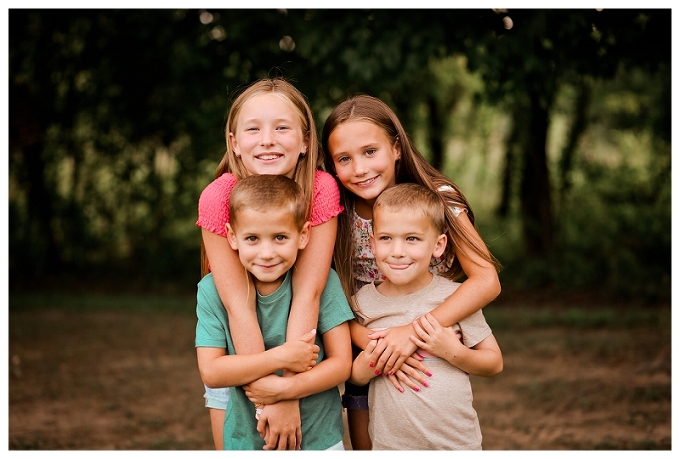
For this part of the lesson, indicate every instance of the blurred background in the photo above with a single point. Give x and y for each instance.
(556, 124)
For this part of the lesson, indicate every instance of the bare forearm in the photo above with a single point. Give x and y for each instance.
(478, 362)
(237, 370)
(471, 296)
(359, 334)
(309, 278)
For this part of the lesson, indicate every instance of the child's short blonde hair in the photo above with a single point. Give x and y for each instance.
(266, 192)
(414, 198)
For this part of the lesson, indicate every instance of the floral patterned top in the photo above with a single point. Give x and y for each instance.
(366, 269)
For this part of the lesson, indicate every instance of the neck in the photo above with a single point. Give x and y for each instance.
(364, 209)
(267, 288)
(389, 288)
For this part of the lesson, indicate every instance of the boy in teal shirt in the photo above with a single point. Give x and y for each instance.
(267, 227)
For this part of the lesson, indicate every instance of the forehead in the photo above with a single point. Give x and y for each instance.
(400, 220)
(269, 104)
(266, 221)
(357, 132)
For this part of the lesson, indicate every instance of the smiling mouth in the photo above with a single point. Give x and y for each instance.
(399, 267)
(366, 182)
(268, 157)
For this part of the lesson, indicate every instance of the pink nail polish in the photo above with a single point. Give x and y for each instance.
(370, 364)
(401, 390)
(377, 372)
(425, 384)
(390, 373)
(429, 374)
(417, 389)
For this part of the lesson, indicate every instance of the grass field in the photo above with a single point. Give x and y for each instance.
(119, 373)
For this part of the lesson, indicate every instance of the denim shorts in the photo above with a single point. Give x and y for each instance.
(216, 397)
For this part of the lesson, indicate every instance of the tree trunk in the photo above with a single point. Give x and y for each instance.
(436, 133)
(535, 188)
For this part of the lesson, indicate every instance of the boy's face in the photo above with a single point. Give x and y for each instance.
(267, 244)
(403, 243)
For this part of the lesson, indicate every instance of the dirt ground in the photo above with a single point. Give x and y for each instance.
(102, 380)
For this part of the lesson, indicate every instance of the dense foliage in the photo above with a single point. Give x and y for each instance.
(556, 124)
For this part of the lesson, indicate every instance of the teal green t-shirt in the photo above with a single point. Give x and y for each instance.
(321, 414)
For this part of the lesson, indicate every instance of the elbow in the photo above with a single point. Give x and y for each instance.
(498, 369)
(209, 379)
(495, 369)
(494, 287)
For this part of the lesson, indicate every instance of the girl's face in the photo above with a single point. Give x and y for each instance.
(268, 136)
(364, 158)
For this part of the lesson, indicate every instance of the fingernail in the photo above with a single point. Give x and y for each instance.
(425, 384)
(370, 364)
(390, 373)
(401, 390)
(417, 389)
(429, 374)
(377, 372)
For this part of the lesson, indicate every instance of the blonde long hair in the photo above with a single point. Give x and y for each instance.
(412, 167)
(307, 164)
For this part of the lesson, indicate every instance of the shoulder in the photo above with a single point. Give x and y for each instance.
(325, 184)
(207, 291)
(323, 178)
(442, 284)
(334, 307)
(456, 207)
(220, 186)
(217, 191)
(326, 203)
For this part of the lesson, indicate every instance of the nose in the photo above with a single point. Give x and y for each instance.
(397, 248)
(359, 167)
(266, 251)
(266, 137)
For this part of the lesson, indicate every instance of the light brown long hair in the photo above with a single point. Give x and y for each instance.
(412, 167)
(307, 164)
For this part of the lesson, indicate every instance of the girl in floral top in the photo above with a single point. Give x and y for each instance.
(367, 150)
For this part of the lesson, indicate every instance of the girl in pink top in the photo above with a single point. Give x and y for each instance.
(270, 131)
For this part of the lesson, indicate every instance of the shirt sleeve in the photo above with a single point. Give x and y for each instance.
(326, 203)
(211, 327)
(213, 205)
(333, 306)
(475, 329)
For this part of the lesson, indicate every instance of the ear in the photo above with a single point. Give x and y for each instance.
(234, 144)
(305, 147)
(440, 246)
(304, 235)
(371, 241)
(397, 150)
(231, 237)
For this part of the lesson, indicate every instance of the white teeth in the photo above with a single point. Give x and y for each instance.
(268, 157)
(366, 182)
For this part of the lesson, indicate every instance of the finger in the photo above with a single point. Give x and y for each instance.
(377, 354)
(420, 332)
(309, 336)
(298, 437)
(378, 333)
(417, 365)
(417, 342)
(409, 380)
(426, 322)
(395, 382)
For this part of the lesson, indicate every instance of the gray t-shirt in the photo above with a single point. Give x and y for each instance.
(440, 416)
